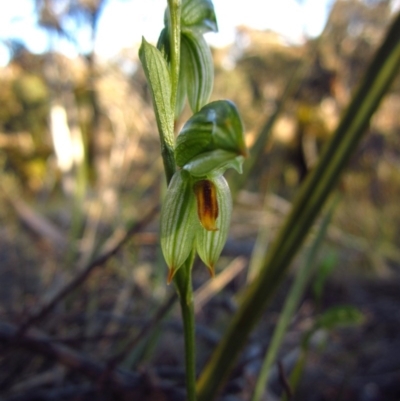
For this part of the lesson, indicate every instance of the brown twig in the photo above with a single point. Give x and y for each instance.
(126, 385)
(71, 392)
(212, 287)
(112, 246)
(91, 338)
(38, 342)
(162, 311)
(37, 223)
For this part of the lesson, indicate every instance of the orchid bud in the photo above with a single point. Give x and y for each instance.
(214, 208)
(178, 222)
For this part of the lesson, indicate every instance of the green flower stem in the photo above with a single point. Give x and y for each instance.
(174, 7)
(183, 283)
(310, 200)
(183, 277)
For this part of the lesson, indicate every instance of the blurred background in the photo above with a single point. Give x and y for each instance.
(81, 178)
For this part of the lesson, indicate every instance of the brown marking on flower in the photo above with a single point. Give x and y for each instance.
(207, 204)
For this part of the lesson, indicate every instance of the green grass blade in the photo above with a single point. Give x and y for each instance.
(307, 205)
(291, 303)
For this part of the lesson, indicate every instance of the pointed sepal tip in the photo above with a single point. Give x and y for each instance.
(171, 274)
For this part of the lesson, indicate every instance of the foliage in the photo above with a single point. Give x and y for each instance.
(112, 302)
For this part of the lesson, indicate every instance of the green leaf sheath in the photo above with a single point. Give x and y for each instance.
(194, 139)
(183, 46)
(156, 70)
(217, 127)
(163, 44)
(197, 63)
(228, 133)
(308, 203)
(199, 16)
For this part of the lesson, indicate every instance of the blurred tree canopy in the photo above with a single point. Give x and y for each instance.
(253, 72)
